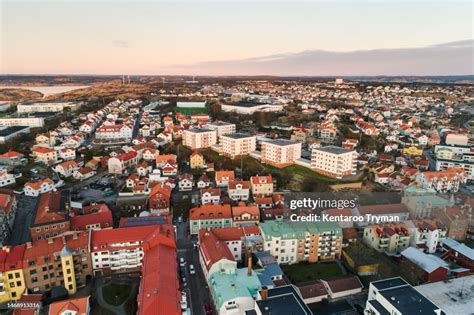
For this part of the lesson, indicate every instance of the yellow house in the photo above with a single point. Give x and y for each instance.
(414, 151)
(196, 160)
(12, 280)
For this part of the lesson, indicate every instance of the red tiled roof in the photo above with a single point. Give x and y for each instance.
(233, 184)
(102, 239)
(41, 249)
(78, 305)
(261, 180)
(221, 174)
(210, 211)
(159, 287)
(11, 154)
(212, 248)
(235, 233)
(104, 218)
(48, 209)
(11, 257)
(42, 150)
(383, 209)
(241, 209)
(212, 191)
(37, 185)
(344, 284)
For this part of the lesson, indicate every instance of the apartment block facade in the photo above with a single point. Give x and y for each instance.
(199, 138)
(334, 161)
(280, 153)
(293, 242)
(237, 144)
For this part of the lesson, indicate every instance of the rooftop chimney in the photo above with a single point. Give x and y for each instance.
(28, 244)
(249, 264)
(264, 293)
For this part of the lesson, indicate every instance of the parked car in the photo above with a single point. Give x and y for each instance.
(208, 309)
(191, 270)
(182, 262)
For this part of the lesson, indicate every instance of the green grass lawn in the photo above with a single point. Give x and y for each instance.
(304, 272)
(116, 294)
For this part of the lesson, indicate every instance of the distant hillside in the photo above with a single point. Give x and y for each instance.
(106, 91)
(18, 95)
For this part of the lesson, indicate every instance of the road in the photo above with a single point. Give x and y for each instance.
(198, 291)
(23, 218)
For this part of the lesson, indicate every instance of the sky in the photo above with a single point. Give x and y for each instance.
(219, 38)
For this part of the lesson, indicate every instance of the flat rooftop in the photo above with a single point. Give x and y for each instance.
(409, 301)
(199, 130)
(334, 150)
(283, 300)
(238, 135)
(453, 297)
(245, 104)
(389, 283)
(281, 142)
(220, 123)
(11, 130)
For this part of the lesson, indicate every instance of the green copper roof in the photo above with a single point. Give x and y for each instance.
(226, 287)
(292, 230)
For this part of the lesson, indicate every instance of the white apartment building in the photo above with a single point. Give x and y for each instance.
(34, 122)
(114, 132)
(48, 107)
(250, 108)
(198, 138)
(442, 181)
(280, 152)
(455, 156)
(292, 242)
(221, 127)
(334, 161)
(426, 233)
(237, 144)
(126, 256)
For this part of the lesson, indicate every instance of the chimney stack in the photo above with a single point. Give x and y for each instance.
(249, 264)
(264, 293)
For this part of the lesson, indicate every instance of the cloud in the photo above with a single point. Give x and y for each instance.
(120, 43)
(454, 58)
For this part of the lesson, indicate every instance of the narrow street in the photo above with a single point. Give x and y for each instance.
(197, 289)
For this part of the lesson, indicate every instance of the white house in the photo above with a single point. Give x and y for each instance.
(210, 196)
(33, 189)
(185, 182)
(238, 190)
(6, 179)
